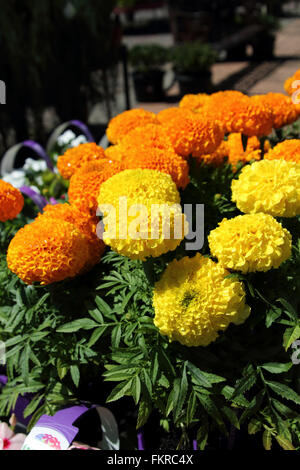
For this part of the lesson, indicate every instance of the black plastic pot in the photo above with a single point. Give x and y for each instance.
(199, 82)
(263, 47)
(149, 86)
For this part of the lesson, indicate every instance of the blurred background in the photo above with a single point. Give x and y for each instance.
(91, 59)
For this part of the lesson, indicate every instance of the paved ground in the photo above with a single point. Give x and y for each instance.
(251, 79)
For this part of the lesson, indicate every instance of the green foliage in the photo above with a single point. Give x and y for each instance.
(194, 57)
(65, 335)
(147, 57)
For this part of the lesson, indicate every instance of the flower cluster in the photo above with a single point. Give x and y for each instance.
(130, 235)
(86, 182)
(288, 84)
(75, 158)
(269, 186)
(11, 201)
(47, 252)
(284, 110)
(288, 150)
(120, 125)
(251, 242)
(195, 299)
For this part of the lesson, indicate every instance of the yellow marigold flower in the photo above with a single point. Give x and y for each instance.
(239, 113)
(120, 125)
(135, 228)
(194, 102)
(47, 251)
(251, 242)
(164, 160)
(288, 84)
(85, 184)
(284, 110)
(74, 158)
(194, 300)
(11, 201)
(194, 134)
(85, 223)
(269, 186)
(288, 150)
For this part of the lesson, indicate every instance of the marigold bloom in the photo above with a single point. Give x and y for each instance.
(194, 300)
(232, 151)
(251, 242)
(85, 184)
(288, 84)
(164, 160)
(74, 158)
(288, 150)
(269, 186)
(128, 227)
(150, 135)
(85, 223)
(284, 110)
(120, 125)
(165, 115)
(217, 158)
(114, 153)
(194, 134)
(236, 152)
(11, 201)
(47, 251)
(194, 102)
(239, 113)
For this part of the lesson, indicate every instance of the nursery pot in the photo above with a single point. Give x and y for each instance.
(148, 86)
(194, 82)
(263, 47)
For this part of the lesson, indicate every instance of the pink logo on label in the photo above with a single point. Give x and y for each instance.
(49, 440)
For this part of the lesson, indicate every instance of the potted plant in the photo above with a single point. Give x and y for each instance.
(191, 64)
(147, 61)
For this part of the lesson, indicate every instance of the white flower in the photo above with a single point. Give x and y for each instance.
(16, 178)
(81, 139)
(66, 137)
(35, 165)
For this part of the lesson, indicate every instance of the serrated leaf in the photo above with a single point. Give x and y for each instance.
(284, 443)
(97, 333)
(231, 416)
(119, 391)
(80, 324)
(267, 439)
(136, 389)
(254, 426)
(144, 412)
(284, 391)
(102, 305)
(116, 336)
(198, 375)
(277, 367)
(291, 335)
(75, 374)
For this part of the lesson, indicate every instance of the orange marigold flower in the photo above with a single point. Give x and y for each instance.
(47, 251)
(194, 134)
(288, 150)
(74, 158)
(11, 201)
(165, 115)
(236, 152)
(85, 223)
(120, 125)
(85, 184)
(114, 152)
(164, 160)
(151, 135)
(194, 102)
(239, 113)
(288, 84)
(216, 158)
(284, 110)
